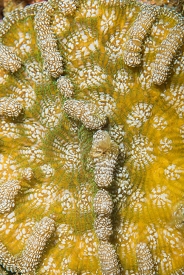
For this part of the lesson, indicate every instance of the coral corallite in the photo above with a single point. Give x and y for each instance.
(92, 139)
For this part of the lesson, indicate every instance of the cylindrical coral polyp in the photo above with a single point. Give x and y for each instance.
(35, 245)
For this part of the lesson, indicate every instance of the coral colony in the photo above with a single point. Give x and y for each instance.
(92, 139)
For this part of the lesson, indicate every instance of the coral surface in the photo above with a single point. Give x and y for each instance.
(178, 5)
(92, 139)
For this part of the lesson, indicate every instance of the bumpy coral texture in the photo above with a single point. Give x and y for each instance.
(92, 139)
(178, 5)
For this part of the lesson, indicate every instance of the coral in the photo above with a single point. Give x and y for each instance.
(65, 86)
(3, 272)
(25, 263)
(8, 191)
(144, 260)
(103, 227)
(7, 260)
(108, 259)
(137, 34)
(10, 108)
(9, 60)
(35, 245)
(46, 41)
(166, 53)
(102, 203)
(88, 113)
(105, 153)
(92, 139)
(178, 5)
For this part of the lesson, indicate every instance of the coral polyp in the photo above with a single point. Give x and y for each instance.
(92, 139)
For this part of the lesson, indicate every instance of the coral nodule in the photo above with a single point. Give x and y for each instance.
(92, 139)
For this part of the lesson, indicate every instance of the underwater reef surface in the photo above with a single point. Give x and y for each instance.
(178, 5)
(8, 6)
(92, 139)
